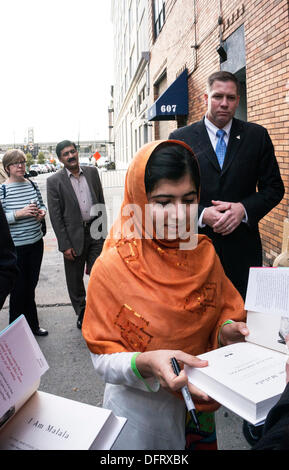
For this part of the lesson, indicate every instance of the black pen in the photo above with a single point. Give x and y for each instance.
(186, 394)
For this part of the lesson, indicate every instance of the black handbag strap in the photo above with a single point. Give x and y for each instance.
(4, 190)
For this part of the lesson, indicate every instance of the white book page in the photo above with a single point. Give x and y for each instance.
(109, 433)
(269, 331)
(252, 371)
(49, 422)
(21, 364)
(268, 291)
(15, 408)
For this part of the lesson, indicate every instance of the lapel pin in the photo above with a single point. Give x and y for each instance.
(238, 137)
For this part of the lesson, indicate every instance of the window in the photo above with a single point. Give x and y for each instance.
(145, 134)
(141, 37)
(132, 63)
(125, 82)
(135, 140)
(159, 15)
(141, 97)
(131, 18)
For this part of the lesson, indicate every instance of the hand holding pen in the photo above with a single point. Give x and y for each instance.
(186, 394)
(158, 364)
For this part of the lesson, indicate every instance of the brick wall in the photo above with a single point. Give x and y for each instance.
(267, 51)
(266, 24)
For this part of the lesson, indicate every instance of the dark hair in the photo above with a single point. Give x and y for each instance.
(171, 161)
(223, 76)
(61, 145)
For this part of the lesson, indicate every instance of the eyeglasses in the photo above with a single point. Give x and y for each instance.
(72, 151)
(22, 163)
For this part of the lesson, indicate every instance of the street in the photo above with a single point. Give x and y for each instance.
(71, 373)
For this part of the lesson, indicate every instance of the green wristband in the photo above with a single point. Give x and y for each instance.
(227, 322)
(136, 371)
(134, 367)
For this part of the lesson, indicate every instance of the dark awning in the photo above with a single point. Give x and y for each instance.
(173, 102)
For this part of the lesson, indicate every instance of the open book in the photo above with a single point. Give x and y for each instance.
(35, 420)
(248, 378)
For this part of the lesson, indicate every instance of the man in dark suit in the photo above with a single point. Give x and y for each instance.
(8, 264)
(235, 157)
(74, 194)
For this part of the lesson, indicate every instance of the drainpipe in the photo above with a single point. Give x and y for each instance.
(195, 45)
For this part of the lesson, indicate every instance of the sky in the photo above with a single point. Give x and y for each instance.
(56, 69)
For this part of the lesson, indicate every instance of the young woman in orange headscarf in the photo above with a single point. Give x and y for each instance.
(158, 291)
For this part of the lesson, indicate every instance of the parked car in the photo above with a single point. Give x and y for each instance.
(31, 174)
(105, 164)
(51, 166)
(86, 162)
(48, 167)
(35, 167)
(44, 167)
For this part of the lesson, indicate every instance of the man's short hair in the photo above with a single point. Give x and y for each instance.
(223, 76)
(61, 145)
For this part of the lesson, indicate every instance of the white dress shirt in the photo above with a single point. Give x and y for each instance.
(212, 131)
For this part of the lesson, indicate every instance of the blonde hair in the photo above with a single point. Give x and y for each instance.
(12, 156)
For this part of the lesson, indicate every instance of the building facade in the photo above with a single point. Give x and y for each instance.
(131, 81)
(190, 39)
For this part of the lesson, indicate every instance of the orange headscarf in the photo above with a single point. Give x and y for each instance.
(146, 294)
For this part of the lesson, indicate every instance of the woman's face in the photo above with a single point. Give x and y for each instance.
(18, 168)
(174, 208)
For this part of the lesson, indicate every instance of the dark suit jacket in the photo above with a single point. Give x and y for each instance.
(250, 162)
(8, 262)
(64, 210)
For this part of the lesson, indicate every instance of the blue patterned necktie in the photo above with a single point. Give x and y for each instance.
(221, 146)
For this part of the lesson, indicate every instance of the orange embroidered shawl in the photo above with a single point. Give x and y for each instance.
(146, 294)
